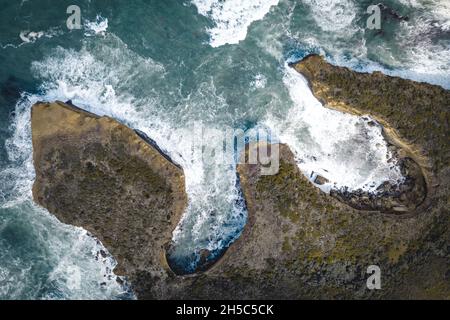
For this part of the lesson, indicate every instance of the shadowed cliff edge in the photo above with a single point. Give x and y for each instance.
(298, 242)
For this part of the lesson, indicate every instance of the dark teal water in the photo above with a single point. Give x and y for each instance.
(164, 67)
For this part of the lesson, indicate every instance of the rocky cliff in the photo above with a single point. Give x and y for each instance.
(415, 115)
(97, 173)
(302, 243)
(298, 242)
(312, 245)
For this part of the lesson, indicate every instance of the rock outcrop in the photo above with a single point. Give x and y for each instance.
(96, 173)
(415, 115)
(312, 245)
(302, 243)
(415, 119)
(298, 242)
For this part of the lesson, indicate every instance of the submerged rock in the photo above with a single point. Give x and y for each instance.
(96, 173)
(386, 10)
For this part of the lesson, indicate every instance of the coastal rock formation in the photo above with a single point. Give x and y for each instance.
(96, 173)
(415, 122)
(311, 245)
(415, 115)
(299, 242)
(302, 243)
(391, 198)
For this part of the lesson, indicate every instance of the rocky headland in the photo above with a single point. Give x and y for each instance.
(299, 242)
(96, 173)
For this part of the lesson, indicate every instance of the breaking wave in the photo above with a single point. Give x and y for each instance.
(232, 18)
(247, 85)
(349, 151)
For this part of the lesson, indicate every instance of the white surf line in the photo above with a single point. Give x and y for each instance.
(232, 18)
(348, 150)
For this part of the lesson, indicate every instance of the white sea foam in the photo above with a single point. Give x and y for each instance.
(412, 53)
(427, 59)
(333, 15)
(99, 78)
(343, 148)
(259, 81)
(28, 36)
(97, 27)
(232, 17)
(439, 10)
(67, 247)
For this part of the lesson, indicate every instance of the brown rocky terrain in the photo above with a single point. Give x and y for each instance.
(298, 242)
(97, 173)
(302, 243)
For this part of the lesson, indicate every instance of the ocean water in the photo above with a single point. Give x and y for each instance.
(170, 67)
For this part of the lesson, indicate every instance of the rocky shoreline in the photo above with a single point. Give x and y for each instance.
(299, 242)
(390, 101)
(96, 173)
(403, 198)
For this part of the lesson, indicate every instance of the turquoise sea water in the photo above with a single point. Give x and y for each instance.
(165, 66)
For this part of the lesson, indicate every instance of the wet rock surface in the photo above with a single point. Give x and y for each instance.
(389, 197)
